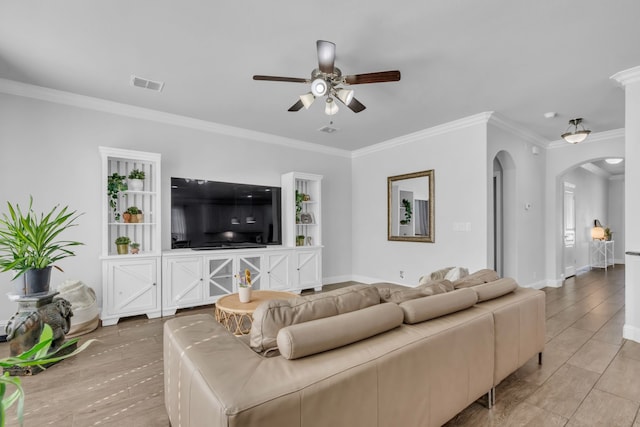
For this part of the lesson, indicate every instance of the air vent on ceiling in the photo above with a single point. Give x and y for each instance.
(328, 129)
(146, 83)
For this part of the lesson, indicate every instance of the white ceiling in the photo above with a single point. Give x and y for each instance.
(457, 58)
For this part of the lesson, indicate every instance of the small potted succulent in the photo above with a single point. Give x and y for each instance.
(122, 245)
(135, 248)
(136, 180)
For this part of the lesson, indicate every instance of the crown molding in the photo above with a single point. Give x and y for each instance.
(593, 137)
(481, 118)
(517, 130)
(12, 87)
(625, 77)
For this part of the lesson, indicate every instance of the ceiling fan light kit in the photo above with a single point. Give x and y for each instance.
(576, 136)
(331, 107)
(327, 80)
(307, 99)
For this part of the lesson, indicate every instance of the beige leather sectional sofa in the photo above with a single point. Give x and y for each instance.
(364, 355)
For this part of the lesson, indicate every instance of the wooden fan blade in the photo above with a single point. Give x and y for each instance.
(356, 106)
(281, 79)
(379, 77)
(297, 106)
(326, 56)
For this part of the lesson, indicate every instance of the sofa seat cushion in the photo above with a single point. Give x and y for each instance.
(426, 308)
(496, 289)
(320, 335)
(477, 278)
(271, 316)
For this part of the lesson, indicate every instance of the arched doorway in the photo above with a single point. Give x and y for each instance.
(504, 215)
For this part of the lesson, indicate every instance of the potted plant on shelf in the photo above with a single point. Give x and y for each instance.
(28, 245)
(299, 200)
(244, 286)
(133, 214)
(115, 184)
(122, 245)
(135, 248)
(136, 180)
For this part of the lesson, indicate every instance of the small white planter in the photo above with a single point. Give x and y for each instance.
(136, 184)
(244, 293)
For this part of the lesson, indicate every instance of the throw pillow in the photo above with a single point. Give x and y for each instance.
(456, 273)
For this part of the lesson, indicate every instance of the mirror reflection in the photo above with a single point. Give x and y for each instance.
(411, 207)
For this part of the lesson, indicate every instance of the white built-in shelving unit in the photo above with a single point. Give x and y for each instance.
(131, 282)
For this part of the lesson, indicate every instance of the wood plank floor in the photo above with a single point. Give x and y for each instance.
(590, 375)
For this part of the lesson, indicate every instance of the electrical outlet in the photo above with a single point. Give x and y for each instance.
(401, 274)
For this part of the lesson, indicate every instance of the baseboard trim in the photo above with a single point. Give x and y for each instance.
(631, 333)
(536, 285)
(337, 279)
(554, 283)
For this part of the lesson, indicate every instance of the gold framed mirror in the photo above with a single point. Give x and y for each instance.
(410, 208)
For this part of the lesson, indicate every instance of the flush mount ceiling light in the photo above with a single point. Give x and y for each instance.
(614, 161)
(575, 136)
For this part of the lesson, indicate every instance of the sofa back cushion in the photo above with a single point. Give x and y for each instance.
(422, 309)
(316, 336)
(495, 289)
(479, 277)
(271, 316)
(398, 294)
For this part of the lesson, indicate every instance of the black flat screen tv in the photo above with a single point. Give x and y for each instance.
(223, 215)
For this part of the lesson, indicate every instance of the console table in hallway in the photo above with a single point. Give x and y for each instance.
(601, 254)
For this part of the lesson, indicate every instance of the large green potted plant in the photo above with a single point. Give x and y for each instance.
(29, 245)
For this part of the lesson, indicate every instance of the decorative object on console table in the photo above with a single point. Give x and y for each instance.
(28, 246)
(135, 248)
(136, 180)
(300, 240)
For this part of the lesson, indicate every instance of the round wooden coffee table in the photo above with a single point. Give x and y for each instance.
(237, 316)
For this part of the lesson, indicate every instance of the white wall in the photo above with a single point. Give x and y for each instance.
(523, 183)
(615, 215)
(631, 329)
(459, 198)
(591, 200)
(50, 151)
(560, 159)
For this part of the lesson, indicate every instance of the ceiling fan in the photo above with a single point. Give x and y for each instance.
(327, 80)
